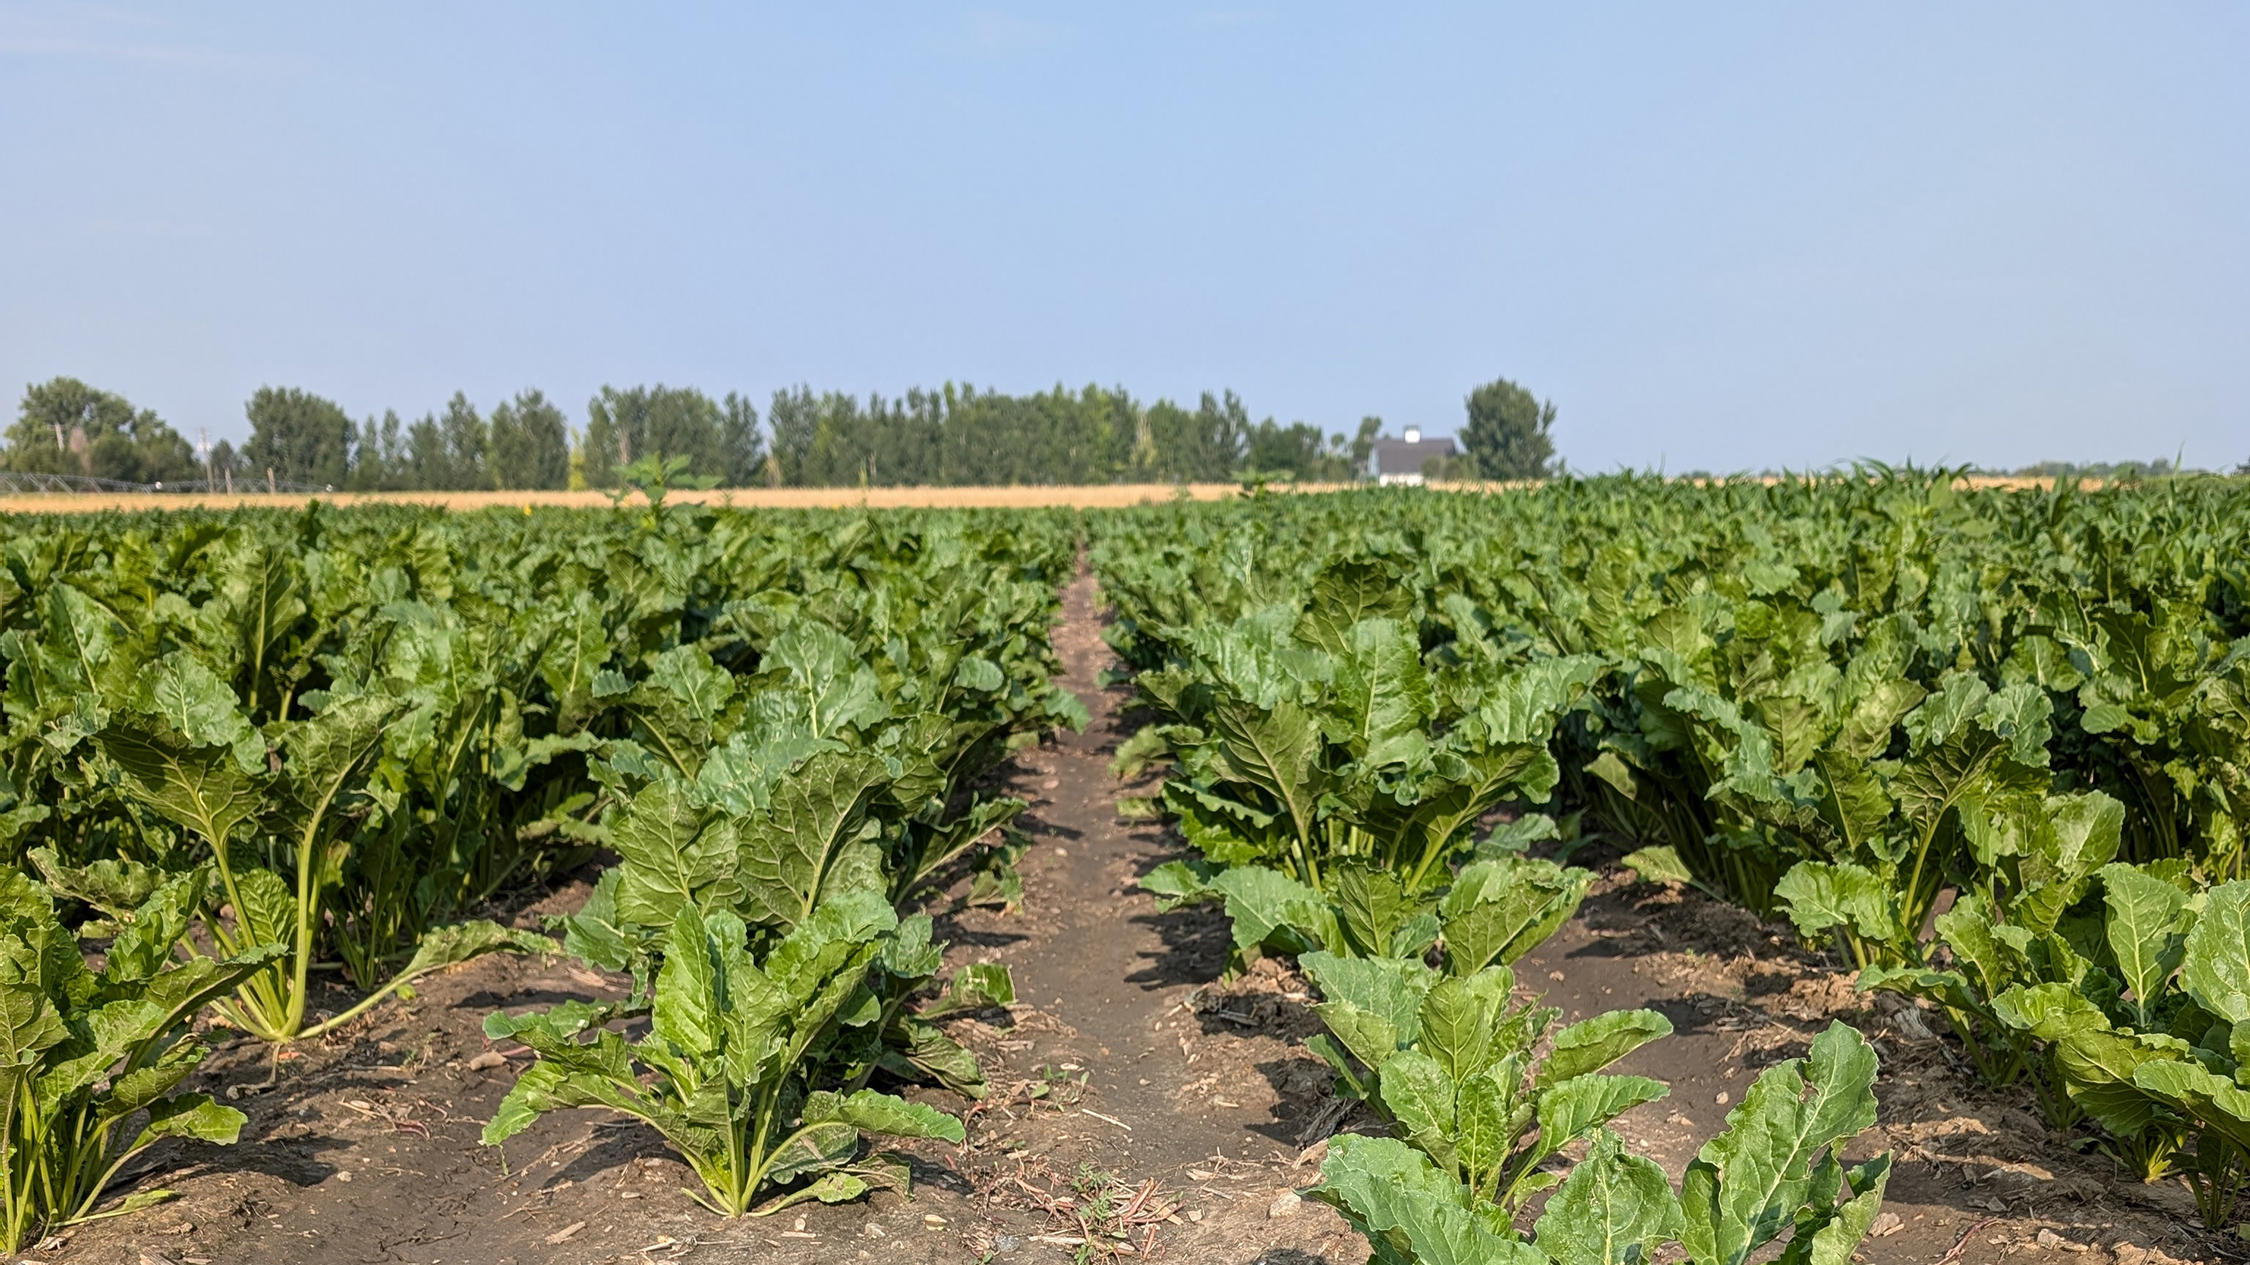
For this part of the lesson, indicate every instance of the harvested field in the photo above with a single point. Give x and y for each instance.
(1093, 496)
(1099, 496)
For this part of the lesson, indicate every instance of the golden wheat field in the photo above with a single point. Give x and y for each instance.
(1094, 496)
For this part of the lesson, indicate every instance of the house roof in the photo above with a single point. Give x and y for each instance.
(1396, 456)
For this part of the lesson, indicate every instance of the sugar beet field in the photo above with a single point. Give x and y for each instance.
(1615, 871)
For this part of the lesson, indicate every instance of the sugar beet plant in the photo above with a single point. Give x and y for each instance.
(1331, 780)
(1946, 731)
(1776, 1167)
(321, 739)
(744, 1054)
(761, 853)
(1449, 1061)
(1762, 646)
(94, 1059)
(2131, 1012)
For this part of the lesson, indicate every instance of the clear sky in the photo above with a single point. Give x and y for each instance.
(1718, 236)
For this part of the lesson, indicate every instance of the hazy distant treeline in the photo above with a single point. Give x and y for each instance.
(950, 436)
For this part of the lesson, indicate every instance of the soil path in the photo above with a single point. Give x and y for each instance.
(1206, 1096)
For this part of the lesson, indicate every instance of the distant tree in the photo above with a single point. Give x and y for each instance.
(1200, 447)
(530, 443)
(2104, 470)
(228, 464)
(1508, 432)
(67, 427)
(379, 456)
(794, 415)
(1299, 451)
(299, 436)
(466, 441)
(661, 421)
(1363, 443)
(741, 451)
(429, 467)
(1449, 469)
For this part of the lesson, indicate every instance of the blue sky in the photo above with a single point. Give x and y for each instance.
(1717, 236)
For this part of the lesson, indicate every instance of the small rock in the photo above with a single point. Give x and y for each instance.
(487, 1061)
(1286, 1204)
(1722, 1098)
(1885, 1223)
(344, 1176)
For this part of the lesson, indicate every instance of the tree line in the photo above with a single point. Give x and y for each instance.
(950, 436)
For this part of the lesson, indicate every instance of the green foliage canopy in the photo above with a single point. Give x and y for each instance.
(1509, 432)
(64, 426)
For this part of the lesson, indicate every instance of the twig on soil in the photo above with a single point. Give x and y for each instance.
(1954, 1253)
(1088, 1111)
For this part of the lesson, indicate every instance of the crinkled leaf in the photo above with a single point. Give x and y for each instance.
(1569, 1109)
(1398, 1199)
(889, 1115)
(1747, 1184)
(1615, 1209)
(1593, 1044)
(2143, 931)
(2216, 969)
(1501, 909)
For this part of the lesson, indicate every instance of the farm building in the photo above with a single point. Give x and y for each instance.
(1401, 460)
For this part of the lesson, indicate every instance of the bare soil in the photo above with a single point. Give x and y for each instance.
(1141, 1106)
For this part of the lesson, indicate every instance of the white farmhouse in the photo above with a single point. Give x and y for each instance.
(1401, 460)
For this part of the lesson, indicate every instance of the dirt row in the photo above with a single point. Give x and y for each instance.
(1141, 1107)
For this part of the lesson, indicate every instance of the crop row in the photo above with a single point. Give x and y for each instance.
(1995, 745)
(248, 754)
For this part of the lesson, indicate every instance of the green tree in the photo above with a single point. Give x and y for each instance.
(379, 462)
(466, 441)
(661, 421)
(741, 451)
(429, 467)
(299, 436)
(1508, 432)
(794, 415)
(1299, 451)
(67, 427)
(531, 443)
(1363, 443)
(1204, 446)
(228, 466)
